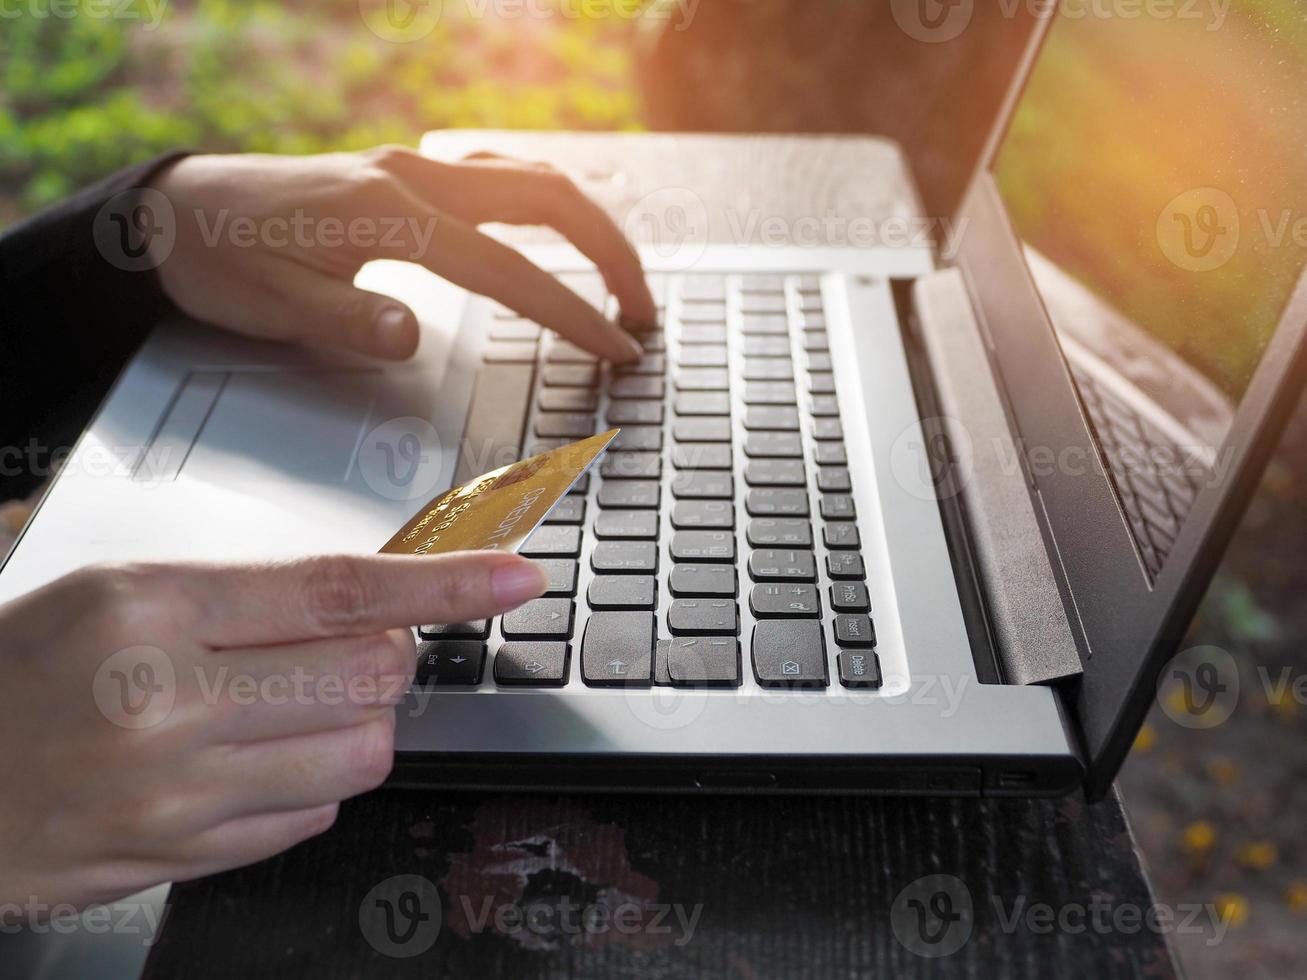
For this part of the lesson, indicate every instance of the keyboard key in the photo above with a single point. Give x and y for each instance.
(782, 532)
(762, 502)
(830, 454)
(702, 430)
(703, 356)
(625, 558)
(442, 663)
(476, 628)
(859, 669)
(553, 541)
(838, 507)
(703, 485)
(707, 546)
(565, 425)
(766, 346)
(769, 393)
(635, 413)
(841, 536)
(812, 340)
(845, 564)
(636, 386)
(768, 369)
(515, 330)
(623, 592)
(771, 418)
(703, 617)
(819, 361)
(855, 631)
(539, 619)
(498, 352)
(717, 515)
(617, 649)
(824, 406)
(705, 287)
(582, 485)
(634, 494)
(561, 351)
(763, 282)
(785, 602)
(834, 479)
(825, 429)
(703, 379)
(782, 565)
(538, 664)
(775, 473)
(570, 375)
(569, 510)
(697, 333)
(635, 525)
(562, 575)
(789, 654)
(568, 400)
(773, 445)
(639, 438)
(701, 403)
(702, 580)
(694, 661)
(821, 383)
(650, 364)
(700, 312)
(849, 597)
(631, 466)
(765, 325)
(762, 303)
(812, 319)
(702, 456)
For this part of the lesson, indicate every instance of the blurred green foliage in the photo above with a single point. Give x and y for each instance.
(83, 95)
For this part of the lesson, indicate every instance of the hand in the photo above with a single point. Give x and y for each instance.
(269, 246)
(163, 722)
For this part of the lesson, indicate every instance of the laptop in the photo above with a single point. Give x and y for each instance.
(900, 520)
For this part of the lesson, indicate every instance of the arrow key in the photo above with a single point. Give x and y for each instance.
(540, 619)
(448, 662)
(532, 664)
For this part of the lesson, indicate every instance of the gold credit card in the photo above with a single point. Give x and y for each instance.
(498, 511)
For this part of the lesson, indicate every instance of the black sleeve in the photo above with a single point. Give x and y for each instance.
(76, 300)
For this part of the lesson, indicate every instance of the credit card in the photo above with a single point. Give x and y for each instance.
(498, 511)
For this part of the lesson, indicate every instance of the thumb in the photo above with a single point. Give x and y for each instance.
(325, 310)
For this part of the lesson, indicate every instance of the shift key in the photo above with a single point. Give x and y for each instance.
(617, 649)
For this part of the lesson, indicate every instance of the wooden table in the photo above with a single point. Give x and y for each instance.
(641, 886)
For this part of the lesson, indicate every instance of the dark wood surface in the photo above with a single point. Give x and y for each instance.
(775, 887)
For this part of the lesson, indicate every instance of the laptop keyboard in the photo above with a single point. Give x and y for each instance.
(717, 540)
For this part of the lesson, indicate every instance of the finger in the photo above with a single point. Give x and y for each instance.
(307, 688)
(309, 598)
(243, 841)
(322, 309)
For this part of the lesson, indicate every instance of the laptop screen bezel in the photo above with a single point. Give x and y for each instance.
(1128, 626)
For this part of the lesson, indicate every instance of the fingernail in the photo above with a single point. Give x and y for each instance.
(518, 582)
(631, 350)
(394, 333)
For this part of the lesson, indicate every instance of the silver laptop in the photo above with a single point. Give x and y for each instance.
(890, 520)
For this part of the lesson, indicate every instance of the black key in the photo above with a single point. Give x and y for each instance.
(565, 352)
(769, 393)
(702, 430)
(785, 602)
(764, 502)
(779, 532)
(553, 541)
(859, 668)
(845, 564)
(562, 575)
(694, 661)
(476, 628)
(841, 536)
(625, 558)
(631, 466)
(782, 565)
(635, 413)
(639, 438)
(570, 375)
(819, 361)
(539, 619)
(775, 473)
(773, 445)
(834, 479)
(838, 507)
(813, 340)
(716, 515)
(636, 386)
(707, 546)
(704, 485)
(855, 631)
(569, 510)
(768, 369)
(703, 379)
(703, 356)
(762, 303)
(765, 325)
(789, 654)
(824, 406)
(849, 597)
(568, 400)
(581, 486)
(702, 456)
(617, 649)
(636, 525)
(700, 312)
(623, 592)
(703, 580)
(446, 662)
(821, 383)
(703, 617)
(632, 494)
(538, 664)
(771, 418)
(697, 333)
(701, 403)
(565, 425)
(830, 454)
(766, 346)
(827, 428)
(650, 364)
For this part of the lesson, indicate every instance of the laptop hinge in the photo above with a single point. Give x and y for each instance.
(1032, 638)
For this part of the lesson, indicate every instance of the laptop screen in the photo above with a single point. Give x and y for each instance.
(1156, 171)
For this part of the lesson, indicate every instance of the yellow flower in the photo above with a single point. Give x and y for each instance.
(1258, 855)
(1199, 837)
(1146, 739)
(1232, 908)
(1296, 896)
(1223, 770)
